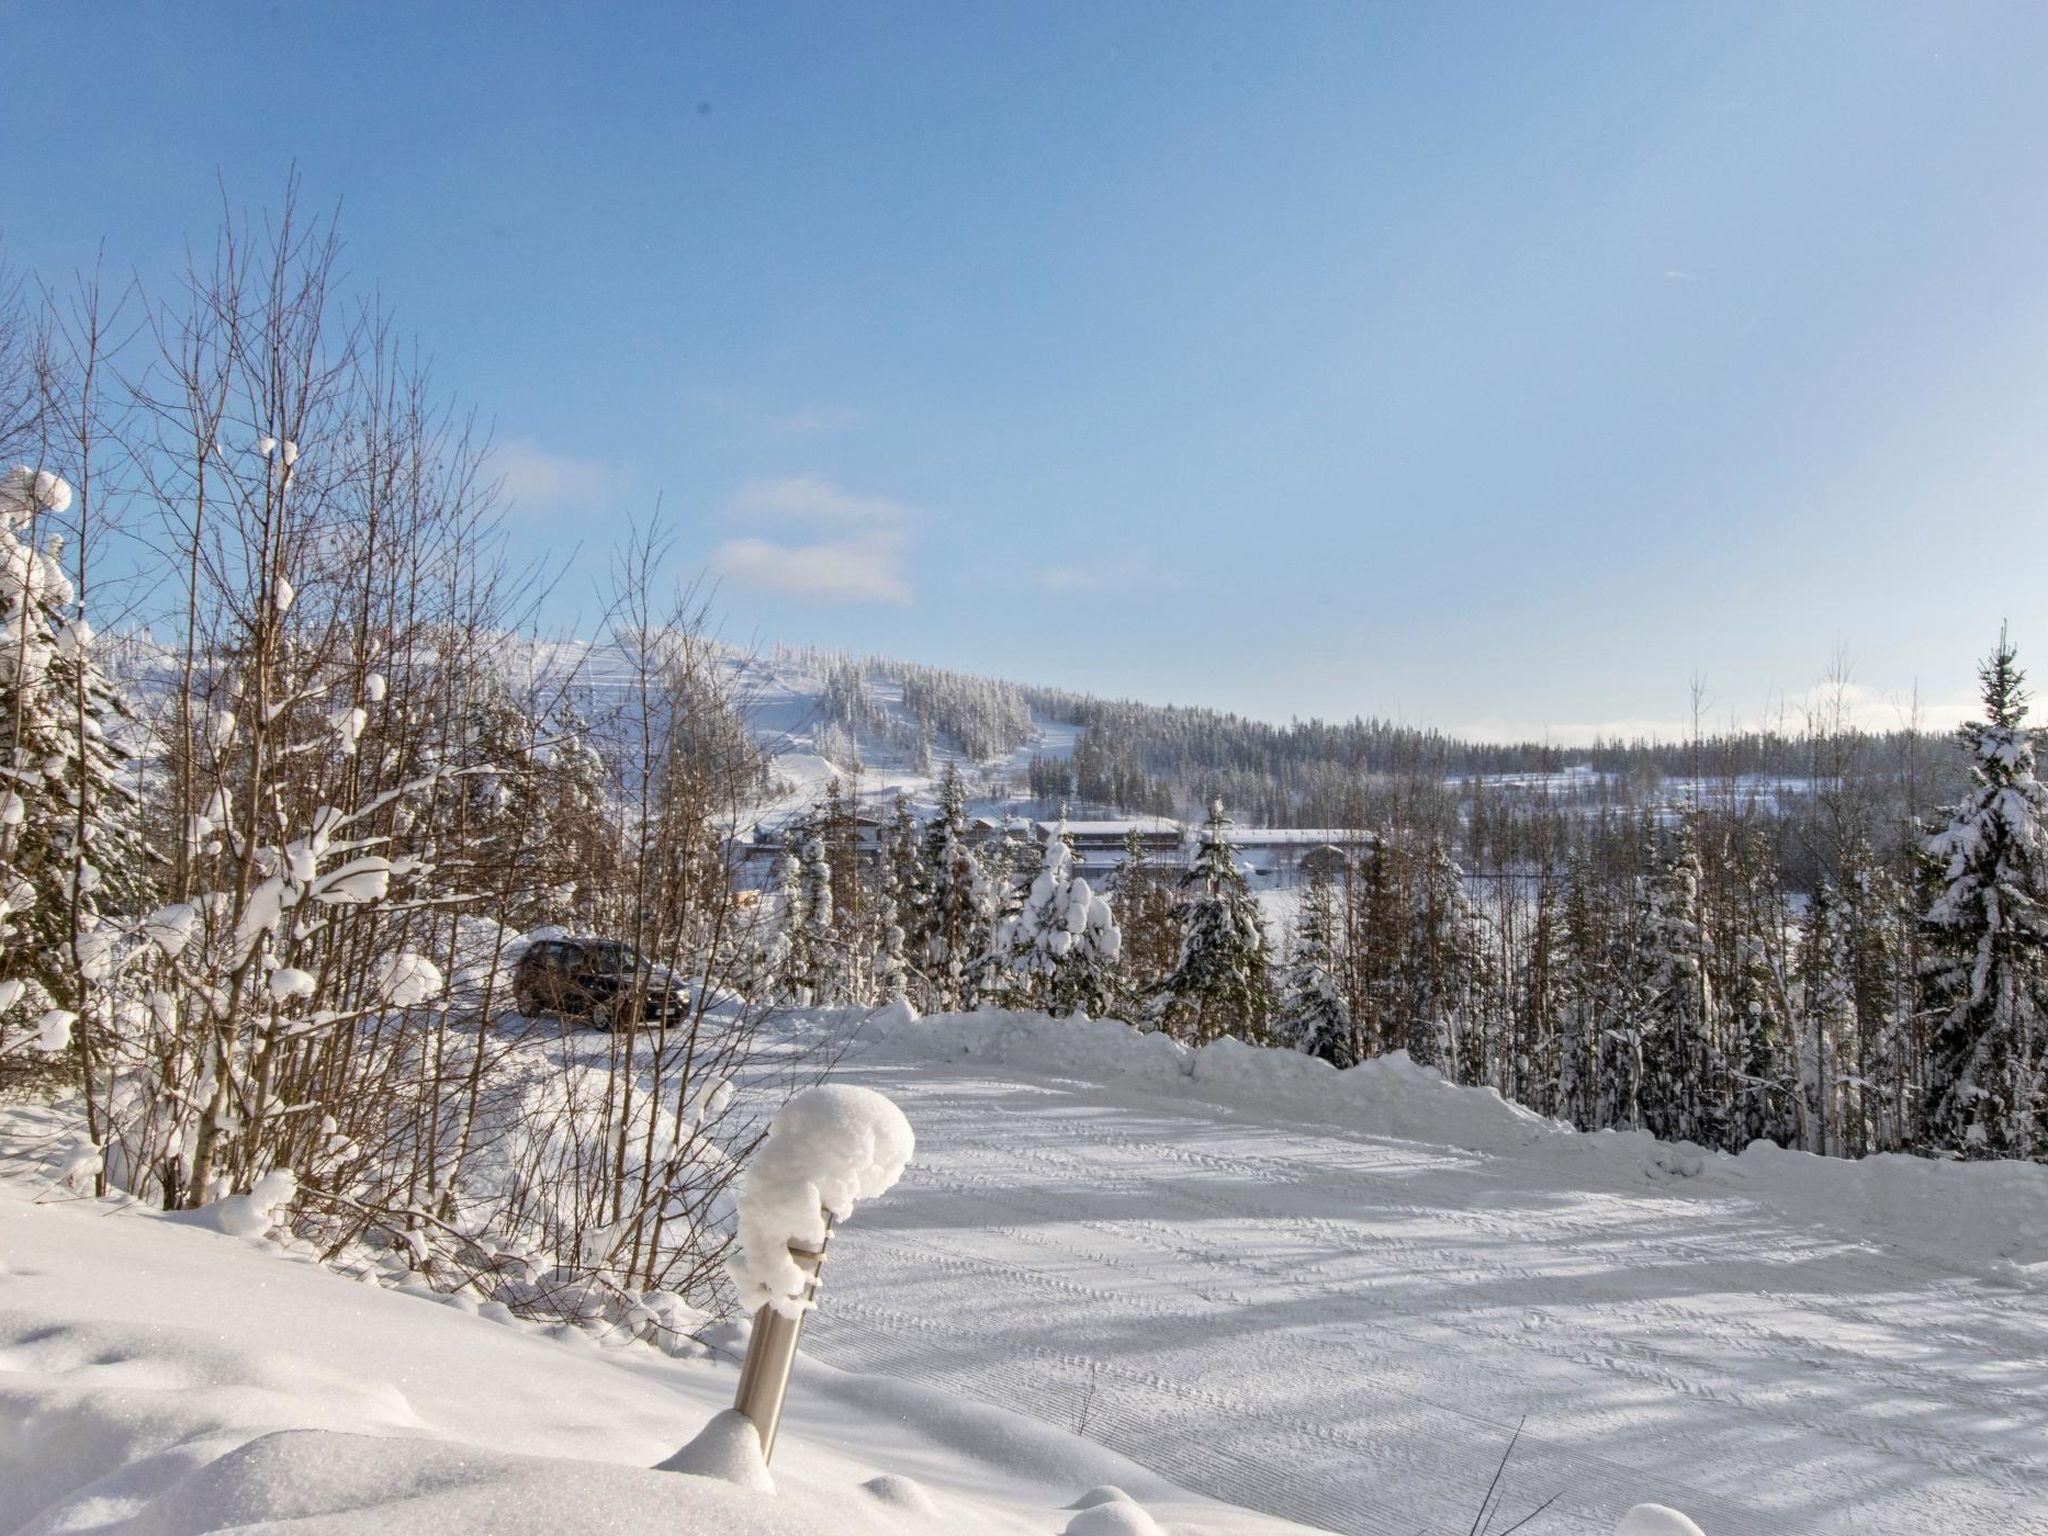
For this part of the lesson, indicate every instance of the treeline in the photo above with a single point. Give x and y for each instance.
(1168, 760)
(257, 881)
(1643, 970)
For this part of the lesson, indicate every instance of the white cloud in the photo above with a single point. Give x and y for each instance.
(867, 568)
(858, 557)
(1103, 576)
(812, 499)
(817, 421)
(747, 411)
(531, 476)
(1861, 708)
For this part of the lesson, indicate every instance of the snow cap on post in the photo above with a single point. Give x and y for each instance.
(828, 1148)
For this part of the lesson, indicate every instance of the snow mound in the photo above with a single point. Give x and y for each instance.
(903, 1493)
(336, 1484)
(1113, 1517)
(250, 1214)
(1655, 1520)
(1995, 1213)
(1389, 1094)
(1101, 1493)
(826, 1149)
(727, 1448)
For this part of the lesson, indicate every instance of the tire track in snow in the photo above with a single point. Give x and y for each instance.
(1344, 1330)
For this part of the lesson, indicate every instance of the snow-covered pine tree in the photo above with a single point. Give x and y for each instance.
(1873, 912)
(70, 844)
(1580, 1014)
(953, 936)
(1541, 1003)
(1828, 1021)
(1440, 964)
(1765, 1075)
(1679, 1075)
(1059, 951)
(1220, 986)
(902, 882)
(1986, 932)
(1312, 1014)
(827, 978)
(789, 956)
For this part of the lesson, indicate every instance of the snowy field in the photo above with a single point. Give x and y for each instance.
(1224, 1281)
(1264, 1297)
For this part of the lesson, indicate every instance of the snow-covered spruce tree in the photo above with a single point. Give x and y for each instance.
(1680, 1075)
(1440, 968)
(1986, 932)
(1221, 985)
(1059, 951)
(899, 902)
(789, 960)
(1580, 1013)
(1312, 1014)
(822, 947)
(1828, 1022)
(1766, 1079)
(1375, 921)
(1874, 914)
(70, 845)
(954, 928)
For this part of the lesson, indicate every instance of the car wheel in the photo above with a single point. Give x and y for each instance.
(526, 1004)
(601, 1016)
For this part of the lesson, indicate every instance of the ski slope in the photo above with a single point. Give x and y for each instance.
(1298, 1313)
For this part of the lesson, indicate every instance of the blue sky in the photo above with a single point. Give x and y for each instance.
(1498, 367)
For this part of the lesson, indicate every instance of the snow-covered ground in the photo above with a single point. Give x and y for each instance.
(1335, 1296)
(1330, 1297)
(161, 1379)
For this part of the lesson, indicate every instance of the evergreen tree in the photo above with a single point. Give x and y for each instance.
(822, 948)
(1986, 932)
(1829, 1011)
(70, 842)
(1765, 1075)
(1220, 986)
(1313, 1016)
(1678, 1071)
(1581, 1015)
(1440, 966)
(954, 929)
(1059, 950)
(789, 959)
(1873, 911)
(1144, 913)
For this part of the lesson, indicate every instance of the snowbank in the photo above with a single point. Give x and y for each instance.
(1389, 1094)
(1993, 1214)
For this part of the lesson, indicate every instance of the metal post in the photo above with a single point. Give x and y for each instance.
(771, 1351)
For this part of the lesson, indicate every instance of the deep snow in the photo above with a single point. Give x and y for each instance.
(1332, 1296)
(1335, 1295)
(162, 1378)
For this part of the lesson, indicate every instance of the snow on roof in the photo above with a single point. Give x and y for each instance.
(1274, 837)
(1162, 826)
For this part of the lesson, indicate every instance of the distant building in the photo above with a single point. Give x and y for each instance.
(1269, 856)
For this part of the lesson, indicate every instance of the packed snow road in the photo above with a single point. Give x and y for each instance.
(1345, 1327)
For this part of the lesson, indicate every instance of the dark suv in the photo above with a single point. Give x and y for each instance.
(596, 980)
